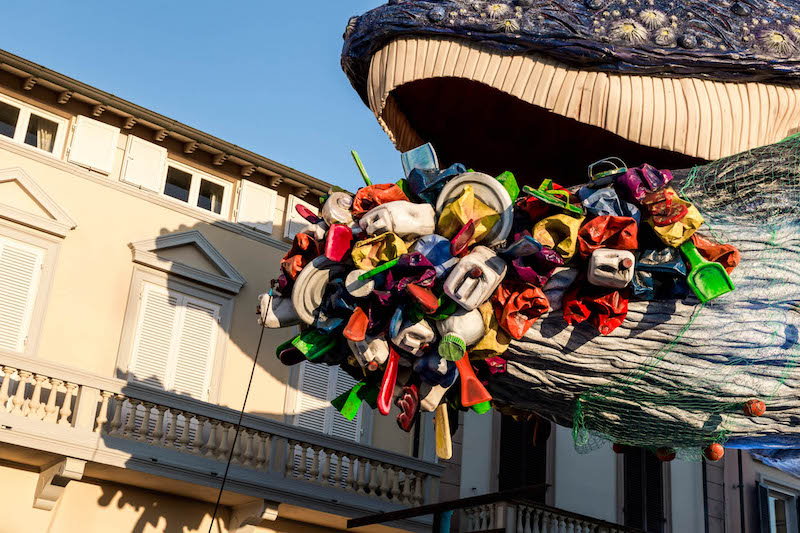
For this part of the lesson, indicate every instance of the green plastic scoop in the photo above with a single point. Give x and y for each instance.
(708, 280)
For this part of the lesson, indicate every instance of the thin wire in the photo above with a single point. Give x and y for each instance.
(238, 426)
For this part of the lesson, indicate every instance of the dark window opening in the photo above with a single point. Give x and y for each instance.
(178, 184)
(8, 119)
(643, 490)
(523, 454)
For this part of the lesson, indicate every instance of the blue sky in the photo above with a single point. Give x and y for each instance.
(264, 75)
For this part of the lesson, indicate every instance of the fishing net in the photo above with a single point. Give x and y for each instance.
(681, 395)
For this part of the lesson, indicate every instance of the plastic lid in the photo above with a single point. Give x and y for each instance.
(452, 347)
(482, 407)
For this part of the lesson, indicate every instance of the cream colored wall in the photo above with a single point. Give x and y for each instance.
(90, 506)
(86, 305)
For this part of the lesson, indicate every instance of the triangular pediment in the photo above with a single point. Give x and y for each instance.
(190, 255)
(23, 201)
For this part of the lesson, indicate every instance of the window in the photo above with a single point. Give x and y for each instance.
(198, 190)
(21, 267)
(175, 341)
(32, 127)
(777, 510)
(523, 454)
(643, 490)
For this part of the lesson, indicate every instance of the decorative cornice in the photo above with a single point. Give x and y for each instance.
(162, 126)
(143, 253)
(59, 224)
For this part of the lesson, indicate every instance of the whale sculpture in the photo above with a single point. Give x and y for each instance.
(545, 87)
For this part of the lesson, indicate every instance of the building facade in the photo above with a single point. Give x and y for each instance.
(133, 249)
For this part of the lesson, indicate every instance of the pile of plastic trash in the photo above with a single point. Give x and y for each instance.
(412, 286)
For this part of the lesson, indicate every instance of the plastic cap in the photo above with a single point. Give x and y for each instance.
(452, 347)
(482, 407)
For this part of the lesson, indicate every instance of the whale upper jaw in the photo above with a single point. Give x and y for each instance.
(528, 97)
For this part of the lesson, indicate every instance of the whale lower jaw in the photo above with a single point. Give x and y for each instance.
(479, 106)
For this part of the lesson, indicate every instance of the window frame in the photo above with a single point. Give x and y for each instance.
(666, 488)
(50, 244)
(194, 188)
(143, 275)
(23, 121)
(791, 493)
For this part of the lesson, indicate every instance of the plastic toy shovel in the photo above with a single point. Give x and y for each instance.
(708, 280)
(444, 443)
(387, 385)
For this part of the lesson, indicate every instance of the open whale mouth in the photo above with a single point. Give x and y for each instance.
(498, 111)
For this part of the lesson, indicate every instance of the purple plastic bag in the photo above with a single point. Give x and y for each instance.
(411, 268)
(536, 269)
(637, 182)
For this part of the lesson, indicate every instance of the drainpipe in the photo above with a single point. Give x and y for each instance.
(705, 496)
(741, 495)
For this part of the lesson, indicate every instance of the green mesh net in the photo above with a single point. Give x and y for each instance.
(684, 395)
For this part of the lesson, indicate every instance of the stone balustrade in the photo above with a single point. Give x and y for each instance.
(518, 517)
(158, 424)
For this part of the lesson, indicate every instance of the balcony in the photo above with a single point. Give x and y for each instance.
(503, 512)
(140, 436)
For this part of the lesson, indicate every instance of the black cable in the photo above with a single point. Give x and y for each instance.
(238, 426)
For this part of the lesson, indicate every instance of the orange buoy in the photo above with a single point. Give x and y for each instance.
(665, 454)
(714, 452)
(754, 407)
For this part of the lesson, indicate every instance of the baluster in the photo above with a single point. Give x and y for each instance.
(304, 466)
(337, 473)
(325, 472)
(187, 426)
(562, 525)
(520, 519)
(246, 454)
(546, 522)
(116, 420)
(197, 443)
(172, 432)
(315, 466)
(570, 526)
(373, 477)
(19, 397)
(102, 416)
(144, 429)
(394, 493)
(36, 410)
(361, 482)
(225, 445)
(351, 481)
(158, 431)
(66, 407)
(259, 454)
(51, 411)
(7, 372)
(211, 444)
(405, 496)
(586, 527)
(386, 482)
(291, 453)
(534, 517)
(130, 427)
(264, 457)
(420, 480)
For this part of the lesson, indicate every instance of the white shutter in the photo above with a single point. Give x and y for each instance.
(196, 347)
(294, 223)
(340, 426)
(155, 336)
(256, 206)
(144, 164)
(20, 272)
(93, 144)
(313, 397)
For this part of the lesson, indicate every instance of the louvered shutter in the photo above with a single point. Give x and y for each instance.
(256, 206)
(145, 164)
(20, 273)
(154, 337)
(93, 144)
(197, 340)
(633, 489)
(763, 508)
(340, 426)
(312, 396)
(294, 223)
(654, 493)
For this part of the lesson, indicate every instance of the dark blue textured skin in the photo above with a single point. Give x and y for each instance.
(745, 40)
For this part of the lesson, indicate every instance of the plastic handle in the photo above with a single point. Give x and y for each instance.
(472, 390)
(378, 269)
(690, 251)
(360, 166)
(444, 443)
(387, 385)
